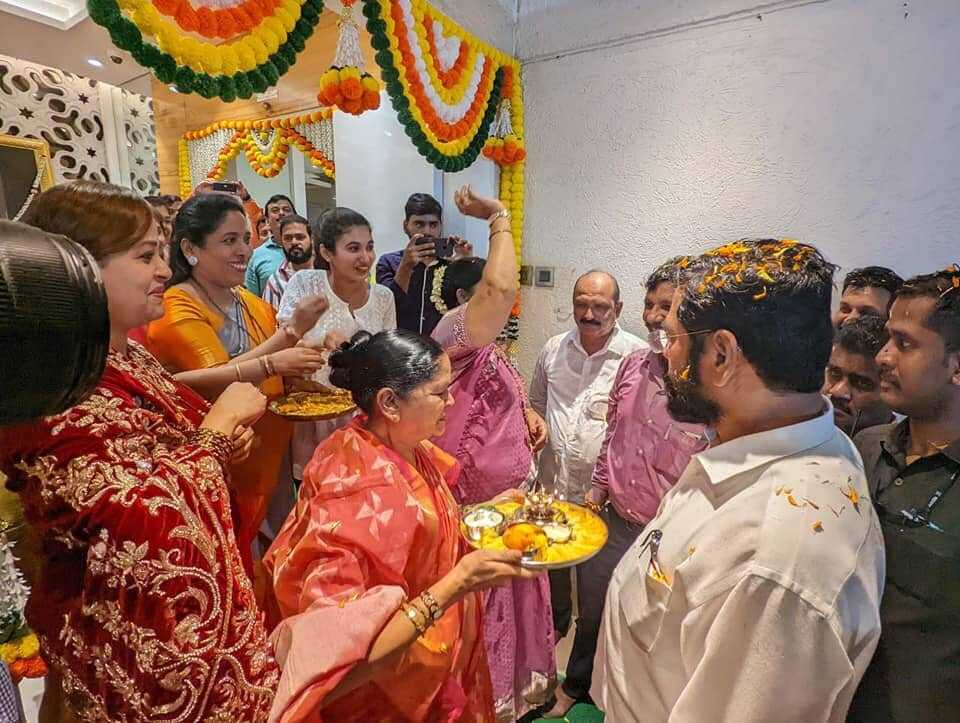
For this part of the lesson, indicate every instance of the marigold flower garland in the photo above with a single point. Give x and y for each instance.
(263, 40)
(345, 85)
(19, 647)
(216, 22)
(455, 96)
(265, 143)
(445, 84)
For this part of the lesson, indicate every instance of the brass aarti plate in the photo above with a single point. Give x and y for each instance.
(313, 406)
(573, 536)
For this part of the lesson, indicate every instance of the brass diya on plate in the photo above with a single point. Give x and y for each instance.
(551, 533)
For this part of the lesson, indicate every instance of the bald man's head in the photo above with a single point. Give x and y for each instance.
(596, 306)
(597, 279)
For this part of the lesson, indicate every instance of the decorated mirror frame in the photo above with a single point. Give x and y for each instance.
(44, 167)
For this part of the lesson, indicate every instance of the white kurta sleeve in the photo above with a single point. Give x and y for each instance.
(296, 290)
(763, 653)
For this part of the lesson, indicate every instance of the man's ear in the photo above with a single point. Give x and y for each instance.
(723, 354)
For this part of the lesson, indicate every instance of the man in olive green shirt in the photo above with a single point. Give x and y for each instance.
(913, 468)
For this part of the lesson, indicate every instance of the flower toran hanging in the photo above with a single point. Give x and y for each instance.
(257, 41)
(345, 85)
(265, 143)
(446, 85)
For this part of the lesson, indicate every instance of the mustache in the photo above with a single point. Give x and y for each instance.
(592, 322)
(841, 405)
(685, 402)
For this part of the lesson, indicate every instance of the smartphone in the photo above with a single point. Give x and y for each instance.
(228, 187)
(444, 247)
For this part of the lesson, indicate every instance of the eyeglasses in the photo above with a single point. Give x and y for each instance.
(659, 340)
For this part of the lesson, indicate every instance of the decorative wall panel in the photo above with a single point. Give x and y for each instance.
(68, 112)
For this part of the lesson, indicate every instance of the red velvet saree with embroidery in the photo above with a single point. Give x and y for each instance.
(368, 530)
(143, 609)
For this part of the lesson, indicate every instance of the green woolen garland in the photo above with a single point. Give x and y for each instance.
(244, 84)
(390, 75)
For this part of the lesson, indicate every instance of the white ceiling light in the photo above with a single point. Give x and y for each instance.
(62, 14)
(94, 62)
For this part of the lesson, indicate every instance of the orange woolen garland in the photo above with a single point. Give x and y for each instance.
(221, 23)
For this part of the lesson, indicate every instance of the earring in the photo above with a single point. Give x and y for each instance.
(193, 260)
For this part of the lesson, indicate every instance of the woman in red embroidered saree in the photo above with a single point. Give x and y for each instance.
(142, 607)
(376, 533)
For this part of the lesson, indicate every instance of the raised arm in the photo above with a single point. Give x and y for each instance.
(494, 295)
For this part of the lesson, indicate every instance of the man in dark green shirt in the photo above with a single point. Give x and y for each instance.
(913, 468)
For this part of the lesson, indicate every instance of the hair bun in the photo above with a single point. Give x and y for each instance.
(347, 358)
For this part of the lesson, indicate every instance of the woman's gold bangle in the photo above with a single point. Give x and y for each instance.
(499, 230)
(431, 604)
(216, 443)
(417, 617)
(236, 368)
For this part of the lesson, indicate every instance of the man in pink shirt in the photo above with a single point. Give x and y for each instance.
(644, 453)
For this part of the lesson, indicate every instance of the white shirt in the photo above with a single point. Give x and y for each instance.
(378, 314)
(771, 616)
(570, 389)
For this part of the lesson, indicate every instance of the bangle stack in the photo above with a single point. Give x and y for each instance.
(424, 615)
(431, 604)
(417, 617)
(216, 443)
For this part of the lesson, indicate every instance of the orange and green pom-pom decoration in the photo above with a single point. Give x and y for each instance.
(349, 90)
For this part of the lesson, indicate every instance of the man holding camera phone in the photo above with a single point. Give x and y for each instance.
(409, 273)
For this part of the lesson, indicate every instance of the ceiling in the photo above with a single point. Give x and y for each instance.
(62, 14)
(70, 49)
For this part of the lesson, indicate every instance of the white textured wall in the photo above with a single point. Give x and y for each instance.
(377, 170)
(493, 21)
(834, 122)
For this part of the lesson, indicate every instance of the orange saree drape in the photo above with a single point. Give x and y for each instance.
(368, 530)
(185, 339)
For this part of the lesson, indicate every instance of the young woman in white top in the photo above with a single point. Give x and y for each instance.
(344, 259)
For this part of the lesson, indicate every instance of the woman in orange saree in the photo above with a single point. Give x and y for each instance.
(381, 605)
(210, 321)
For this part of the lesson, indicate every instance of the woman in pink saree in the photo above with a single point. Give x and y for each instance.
(493, 434)
(381, 608)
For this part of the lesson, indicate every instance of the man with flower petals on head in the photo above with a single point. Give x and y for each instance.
(754, 592)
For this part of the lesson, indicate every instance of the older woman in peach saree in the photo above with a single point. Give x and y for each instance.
(381, 603)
